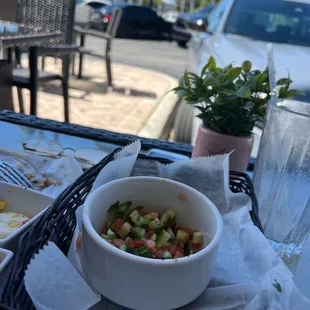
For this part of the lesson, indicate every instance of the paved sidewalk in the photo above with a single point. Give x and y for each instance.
(139, 97)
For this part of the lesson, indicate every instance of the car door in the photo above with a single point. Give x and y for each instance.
(211, 40)
(131, 22)
(148, 19)
(204, 44)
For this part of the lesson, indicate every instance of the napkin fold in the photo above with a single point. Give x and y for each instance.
(54, 284)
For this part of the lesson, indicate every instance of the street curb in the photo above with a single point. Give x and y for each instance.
(165, 107)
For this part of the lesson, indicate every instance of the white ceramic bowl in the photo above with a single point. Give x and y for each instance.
(141, 283)
(22, 200)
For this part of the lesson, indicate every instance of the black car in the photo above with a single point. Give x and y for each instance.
(180, 32)
(137, 22)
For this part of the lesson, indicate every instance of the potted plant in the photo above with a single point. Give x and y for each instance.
(230, 101)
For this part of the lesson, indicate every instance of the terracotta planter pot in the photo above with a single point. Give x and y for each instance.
(212, 143)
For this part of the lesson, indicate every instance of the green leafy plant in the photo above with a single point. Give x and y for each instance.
(231, 99)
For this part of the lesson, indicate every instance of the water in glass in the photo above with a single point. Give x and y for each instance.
(282, 178)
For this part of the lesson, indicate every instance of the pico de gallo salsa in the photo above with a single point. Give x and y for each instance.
(149, 234)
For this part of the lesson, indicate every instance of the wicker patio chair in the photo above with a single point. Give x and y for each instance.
(108, 36)
(52, 15)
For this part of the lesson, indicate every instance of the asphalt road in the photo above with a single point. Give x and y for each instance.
(162, 56)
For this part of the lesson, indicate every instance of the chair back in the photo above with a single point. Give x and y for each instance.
(8, 10)
(53, 15)
(114, 24)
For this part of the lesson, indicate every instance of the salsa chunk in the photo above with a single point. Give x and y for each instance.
(149, 234)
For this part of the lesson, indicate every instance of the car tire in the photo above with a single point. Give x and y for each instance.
(183, 123)
(182, 44)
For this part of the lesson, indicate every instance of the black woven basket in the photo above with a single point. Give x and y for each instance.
(57, 224)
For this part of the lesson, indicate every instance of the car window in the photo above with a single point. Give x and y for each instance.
(96, 5)
(206, 10)
(276, 21)
(136, 12)
(215, 16)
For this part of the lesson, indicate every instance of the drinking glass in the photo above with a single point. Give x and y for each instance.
(282, 178)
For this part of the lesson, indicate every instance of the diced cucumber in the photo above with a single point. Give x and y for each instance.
(162, 238)
(123, 247)
(182, 236)
(171, 213)
(111, 234)
(154, 223)
(104, 236)
(170, 232)
(131, 209)
(144, 251)
(137, 233)
(132, 251)
(167, 255)
(109, 224)
(197, 237)
(113, 210)
(135, 217)
(164, 220)
(147, 218)
(154, 237)
(124, 207)
(124, 230)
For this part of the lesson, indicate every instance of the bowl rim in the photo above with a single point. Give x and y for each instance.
(22, 228)
(137, 259)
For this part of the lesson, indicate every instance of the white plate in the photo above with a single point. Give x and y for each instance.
(24, 201)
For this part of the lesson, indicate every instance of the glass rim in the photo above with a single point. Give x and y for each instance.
(277, 104)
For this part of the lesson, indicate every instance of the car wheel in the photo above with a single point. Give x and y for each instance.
(183, 123)
(182, 44)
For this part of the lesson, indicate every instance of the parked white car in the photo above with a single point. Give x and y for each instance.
(238, 30)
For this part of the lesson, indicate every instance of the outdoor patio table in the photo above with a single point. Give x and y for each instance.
(30, 127)
(16, 128)
(13, 35)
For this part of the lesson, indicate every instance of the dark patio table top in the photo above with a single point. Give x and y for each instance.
(13, 34)
(19, 128)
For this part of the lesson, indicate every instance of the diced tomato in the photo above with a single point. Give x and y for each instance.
(79, 241)
(117, 225)
(173, 249)
(117, 242)
(196, 246)
(137, 243)
(142, 213)
(178, 254)
(150, 244)
(188, 230)
(158, 254)
(181, 245)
